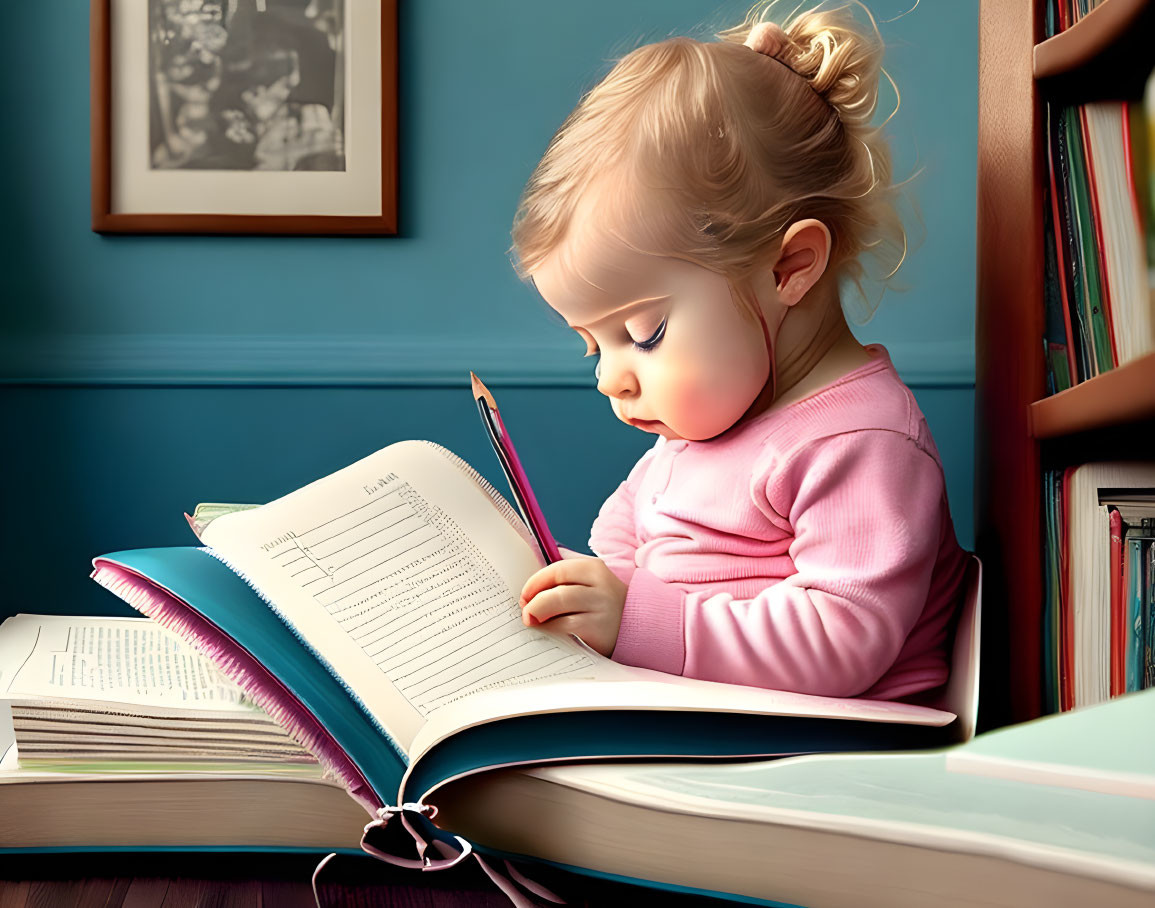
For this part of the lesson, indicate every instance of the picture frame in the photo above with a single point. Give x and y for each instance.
(244, 116)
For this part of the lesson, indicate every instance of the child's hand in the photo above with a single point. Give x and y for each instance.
(579, 595)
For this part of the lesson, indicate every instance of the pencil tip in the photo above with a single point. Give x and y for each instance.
(480, 391)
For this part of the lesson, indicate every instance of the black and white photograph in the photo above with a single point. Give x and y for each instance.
(246, 84)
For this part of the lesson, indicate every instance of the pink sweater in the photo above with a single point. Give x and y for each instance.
(810, 549)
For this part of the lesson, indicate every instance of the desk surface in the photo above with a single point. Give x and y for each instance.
(152, 880)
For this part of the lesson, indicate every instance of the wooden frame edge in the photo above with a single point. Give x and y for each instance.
(104, 221)
(100, 130)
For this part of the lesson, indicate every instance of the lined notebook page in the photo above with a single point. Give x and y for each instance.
(399, 569)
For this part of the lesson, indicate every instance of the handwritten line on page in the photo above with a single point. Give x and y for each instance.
(418, 598)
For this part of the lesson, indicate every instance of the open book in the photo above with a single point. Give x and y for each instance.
(374, 614)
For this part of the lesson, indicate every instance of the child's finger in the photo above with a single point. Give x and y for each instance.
(540, 581)
(571, 571)
(553, 603)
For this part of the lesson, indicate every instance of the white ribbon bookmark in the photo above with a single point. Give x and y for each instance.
(412, 815)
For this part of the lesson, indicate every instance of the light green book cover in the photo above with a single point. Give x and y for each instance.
(1109, 748)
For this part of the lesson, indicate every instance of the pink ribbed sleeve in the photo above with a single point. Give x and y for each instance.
(865, 508)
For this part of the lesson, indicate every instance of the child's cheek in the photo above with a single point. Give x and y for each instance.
(720, 378)
(704, 405)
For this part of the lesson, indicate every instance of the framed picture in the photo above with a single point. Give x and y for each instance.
(244, 116)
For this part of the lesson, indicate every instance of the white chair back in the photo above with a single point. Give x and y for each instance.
(961, 694)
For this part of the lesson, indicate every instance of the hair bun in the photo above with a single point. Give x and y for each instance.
(767, 38)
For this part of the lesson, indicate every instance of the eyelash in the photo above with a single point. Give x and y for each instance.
(653, 340)
(649, 344)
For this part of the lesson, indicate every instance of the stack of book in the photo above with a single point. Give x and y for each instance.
(1099, 614)
(1054, 812)
(1099, 244)
(106, 694)
(116, 733)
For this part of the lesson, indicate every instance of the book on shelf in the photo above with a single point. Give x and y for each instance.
(1115, 565)
(1098, 289)
(1061, 347)
(1099, 612)
(374, 614)
(114, 733)
(1138, 609)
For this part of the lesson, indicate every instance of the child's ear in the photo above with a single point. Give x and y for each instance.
(802, 260)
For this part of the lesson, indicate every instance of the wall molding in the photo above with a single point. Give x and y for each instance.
(344, 360)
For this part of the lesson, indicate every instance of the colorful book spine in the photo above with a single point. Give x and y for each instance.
(1149, 619)
(1059, 351)
(1127, 572)
(1133, 566)
(1089, 247)
(1068, 250)
(1118, 632)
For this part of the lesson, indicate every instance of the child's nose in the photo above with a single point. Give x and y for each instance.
(615, 377)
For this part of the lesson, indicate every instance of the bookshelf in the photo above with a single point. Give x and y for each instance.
(1019, 431)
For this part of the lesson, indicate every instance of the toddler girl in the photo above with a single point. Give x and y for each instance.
(693, 220)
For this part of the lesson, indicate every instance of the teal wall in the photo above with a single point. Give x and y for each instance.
(139, 375)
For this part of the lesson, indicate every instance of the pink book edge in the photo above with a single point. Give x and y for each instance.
(172, 612)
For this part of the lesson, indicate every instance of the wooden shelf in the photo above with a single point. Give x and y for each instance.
(1105, 56)
(1123, 395)
(1019, 433)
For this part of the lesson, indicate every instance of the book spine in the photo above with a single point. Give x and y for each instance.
(1067, 617)
(1118, 633)
(1059, 356)
(1065, 226)
(1053, 604)
(1089, 243)
(1133, 576)
(1098, 194)
(1149, 617)
(1064, 280)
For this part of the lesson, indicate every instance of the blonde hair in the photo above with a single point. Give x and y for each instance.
(712, 149)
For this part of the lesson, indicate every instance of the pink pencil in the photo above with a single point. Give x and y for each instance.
(514, 472)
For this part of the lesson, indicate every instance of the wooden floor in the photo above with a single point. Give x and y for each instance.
(282, 881)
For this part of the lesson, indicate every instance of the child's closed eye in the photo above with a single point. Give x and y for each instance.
(647, 344)
(654, 339)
